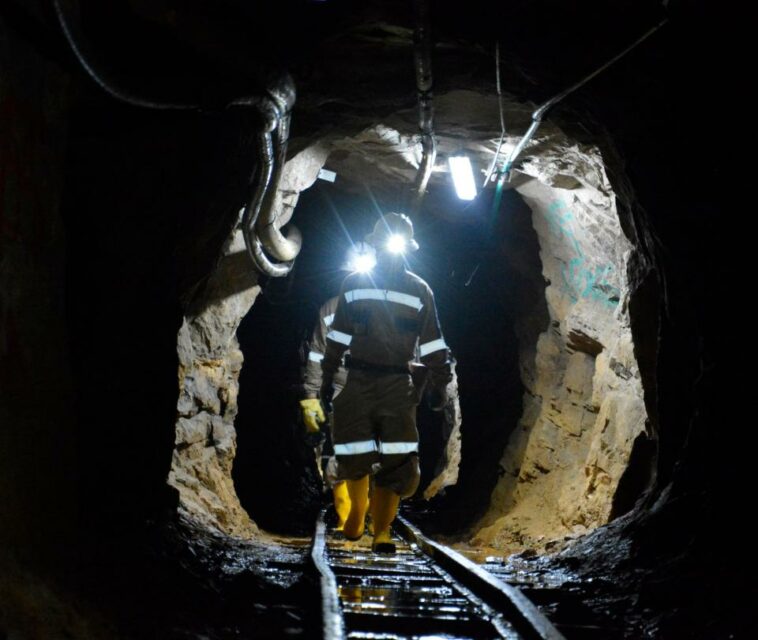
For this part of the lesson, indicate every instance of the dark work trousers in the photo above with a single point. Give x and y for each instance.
(374, 430)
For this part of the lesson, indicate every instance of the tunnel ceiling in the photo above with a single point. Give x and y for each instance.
(190, 43)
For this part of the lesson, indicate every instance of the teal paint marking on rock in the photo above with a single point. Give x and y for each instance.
(581, 278)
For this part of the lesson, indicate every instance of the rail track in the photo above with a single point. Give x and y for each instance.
(425, 590)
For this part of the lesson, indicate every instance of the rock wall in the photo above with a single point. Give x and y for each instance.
(210, 361)
(448, 466)
(583, 400)
(209, 366)
(583, 405)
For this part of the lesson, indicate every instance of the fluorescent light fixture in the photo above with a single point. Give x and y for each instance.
(396, 243)
(463, 177)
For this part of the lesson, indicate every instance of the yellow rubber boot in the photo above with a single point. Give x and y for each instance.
(358, 492)
(384, 504)
(341, 503)
(369, 521)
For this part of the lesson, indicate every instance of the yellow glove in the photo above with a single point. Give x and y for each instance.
(313, 414)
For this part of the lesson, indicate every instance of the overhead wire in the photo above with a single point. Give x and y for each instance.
(274, 107)
(502, 115)
(541, 111)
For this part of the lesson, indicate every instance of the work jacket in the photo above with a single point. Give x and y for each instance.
(312, 376)
(387, 319)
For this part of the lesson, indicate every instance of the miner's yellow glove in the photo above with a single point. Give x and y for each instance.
(313, 414)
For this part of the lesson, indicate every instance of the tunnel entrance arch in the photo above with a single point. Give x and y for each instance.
(580, 406)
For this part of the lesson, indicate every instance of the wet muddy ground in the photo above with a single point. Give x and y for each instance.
(197, 584)
(240, 588)
(406, 595)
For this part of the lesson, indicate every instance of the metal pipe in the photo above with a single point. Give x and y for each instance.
(261, 181)
(274, 109)
(541, 111)
(281, 247)
(429, 147)
(422, 56)
(262, 262)
(520, 147)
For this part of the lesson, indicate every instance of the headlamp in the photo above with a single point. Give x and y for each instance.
(396, 243)
(361, 258)
(363, 262)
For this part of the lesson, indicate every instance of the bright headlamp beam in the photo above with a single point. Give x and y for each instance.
(463, 177)
(363, 262)
(396, 243)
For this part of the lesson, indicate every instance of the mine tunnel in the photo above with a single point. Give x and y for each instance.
(156, 481)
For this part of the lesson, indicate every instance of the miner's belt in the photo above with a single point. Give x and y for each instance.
(361, 365)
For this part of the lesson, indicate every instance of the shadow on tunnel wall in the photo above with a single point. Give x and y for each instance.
(146, 211)
(495, 310)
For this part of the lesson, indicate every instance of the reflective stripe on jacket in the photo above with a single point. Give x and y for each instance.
(382, 318)
(316, 348)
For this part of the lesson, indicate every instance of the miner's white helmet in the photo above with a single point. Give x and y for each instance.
(393, 232)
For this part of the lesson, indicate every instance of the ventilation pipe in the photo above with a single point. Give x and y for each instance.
(260, 183)
(259, 218)
(273, 108)
(282, 248)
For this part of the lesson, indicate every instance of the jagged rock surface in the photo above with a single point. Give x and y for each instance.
(449, 465)
(583, 400)
(209, 365)
(210, 361)
(583, 404)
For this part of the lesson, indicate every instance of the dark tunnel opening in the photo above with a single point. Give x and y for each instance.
(464, 257)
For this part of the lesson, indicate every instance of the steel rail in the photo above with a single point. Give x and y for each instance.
(333, 624)
(527, 619)
(424, 588)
